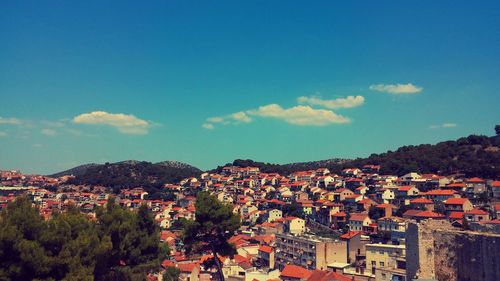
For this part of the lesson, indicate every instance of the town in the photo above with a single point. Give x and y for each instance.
(312, 225)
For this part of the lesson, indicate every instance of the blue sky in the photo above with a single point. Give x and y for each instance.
(206, 82)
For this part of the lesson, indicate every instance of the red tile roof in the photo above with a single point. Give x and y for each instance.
(476, 212)
(456, 201)
(441, 192)
(318, 275)
(421, 200)
(475, 180)
(350, 234)
(456, 215)
(429, 214)
(295, 271)
(266, 249)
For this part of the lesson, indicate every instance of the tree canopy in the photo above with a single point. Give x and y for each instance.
(119, 245)
(209, 233)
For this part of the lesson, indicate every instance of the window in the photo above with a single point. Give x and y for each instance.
(374, 263)
(382, 264)
(384, 276)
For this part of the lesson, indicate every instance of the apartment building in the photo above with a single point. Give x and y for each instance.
(311, 252)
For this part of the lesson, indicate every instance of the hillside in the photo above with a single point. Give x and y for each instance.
(135, 173)
(76, 171)
(473, 156)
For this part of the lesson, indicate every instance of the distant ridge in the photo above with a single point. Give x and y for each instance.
(76, 171)
(472, 156)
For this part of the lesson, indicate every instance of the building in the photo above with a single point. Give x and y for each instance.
(310, 252)
(266, 255)
(383, 255)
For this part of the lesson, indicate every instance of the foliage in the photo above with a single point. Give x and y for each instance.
(134, 174)
(375, 213)
(71, 247)
(214, 224)
(171, 273)
(470, 155)
(294, 210)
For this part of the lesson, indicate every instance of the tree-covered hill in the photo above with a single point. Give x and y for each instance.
(473, 156)
(134, 173)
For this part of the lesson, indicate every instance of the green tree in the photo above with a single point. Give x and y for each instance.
(135, 240)
(215, 223)
(171, 273)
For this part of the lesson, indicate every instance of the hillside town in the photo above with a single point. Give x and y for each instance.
(306, 226)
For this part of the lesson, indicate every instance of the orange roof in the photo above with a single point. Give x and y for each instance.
(456, 201)
(318, 275)
(495, 184)
(350, 234)
(187, 267)
(405, 188)
(429, 214)
(358, 216)
(385, 205)
(266, 249)
(456, 215)
(441, 192)
(339, 214)
(458, 184)
(475, 180)
(476, 212)
(295, 271)
(421, 200)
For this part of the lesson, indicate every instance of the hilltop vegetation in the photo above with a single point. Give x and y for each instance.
(473, 156)
(130, 174)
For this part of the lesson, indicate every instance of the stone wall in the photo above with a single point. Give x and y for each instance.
(436, 250)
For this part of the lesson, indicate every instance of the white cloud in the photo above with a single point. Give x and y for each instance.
(49, 132)
(208, 126)
(215, 119)
(10, 121)
(444, 125)
(396, 88)
(347, 102)
(231, 119)
(241, 117)
(299, 115)
(3, 134)
(124, 123)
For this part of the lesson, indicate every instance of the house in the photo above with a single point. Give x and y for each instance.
(457, 205)
(423, 215)
(189, 271)
(407, 191)
(422, 203)
(266, 256)
(495, 188)
(474, 186)
(341, 194)
(381, 255)
(476, 215)
(294, 225)
(388, 208)
(359, 221)
(396, 226)
(354, 246)
(439, 195)
(274, 214)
